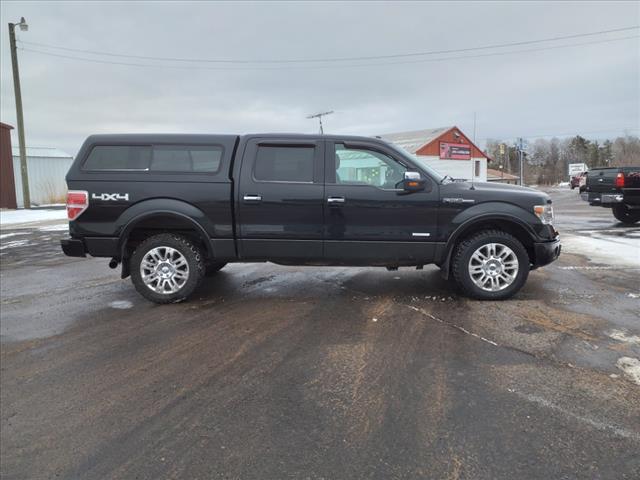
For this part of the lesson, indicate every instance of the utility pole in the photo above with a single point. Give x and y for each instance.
(26, 198)
(319, 117)
(521, 159)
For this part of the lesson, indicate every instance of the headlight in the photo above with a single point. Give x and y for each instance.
(544, 213)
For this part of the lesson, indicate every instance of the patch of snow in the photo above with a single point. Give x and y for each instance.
(631, 368)
(564, 184)
(121, 304)
(592, 267)
(15, 243)
(11, 217)
(55, 228)
(569, 412)
(602, 249)
(633, 295)
(7, 235)
(624, 336)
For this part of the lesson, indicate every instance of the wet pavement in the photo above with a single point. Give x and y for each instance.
(283, 372)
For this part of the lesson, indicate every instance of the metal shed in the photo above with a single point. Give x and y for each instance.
(47, 167)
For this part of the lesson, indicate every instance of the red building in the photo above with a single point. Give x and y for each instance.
(446, 150)
(7, 183)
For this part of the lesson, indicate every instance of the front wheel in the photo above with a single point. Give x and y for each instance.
(490, 265)
(625, 215)
(166, 268)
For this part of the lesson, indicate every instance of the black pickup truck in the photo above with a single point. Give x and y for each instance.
(617, 188)
(174, 208)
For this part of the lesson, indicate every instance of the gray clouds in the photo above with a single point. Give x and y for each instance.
(572, 90)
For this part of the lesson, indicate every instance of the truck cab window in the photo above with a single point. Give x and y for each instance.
(276, 163)
(359, 166)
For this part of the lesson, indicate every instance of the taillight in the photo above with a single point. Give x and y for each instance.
(77, 202)
(620, 180)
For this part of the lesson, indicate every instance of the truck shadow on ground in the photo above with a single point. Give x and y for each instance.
(317, 283)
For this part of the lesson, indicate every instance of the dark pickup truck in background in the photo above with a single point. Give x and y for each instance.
(617, 188)
(173, 208)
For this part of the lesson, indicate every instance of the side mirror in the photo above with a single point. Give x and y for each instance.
(413, 182)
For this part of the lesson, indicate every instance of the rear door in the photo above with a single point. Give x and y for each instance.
(280, 200)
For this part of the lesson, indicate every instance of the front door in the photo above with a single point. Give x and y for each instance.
(368, 218)
(281, 200)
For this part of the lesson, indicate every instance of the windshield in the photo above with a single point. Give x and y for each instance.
(437, 176)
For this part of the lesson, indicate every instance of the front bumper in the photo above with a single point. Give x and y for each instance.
(73, 247)
(546, 252)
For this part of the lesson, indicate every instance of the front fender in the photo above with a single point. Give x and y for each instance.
(487, 213)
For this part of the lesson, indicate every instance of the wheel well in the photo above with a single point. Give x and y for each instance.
(507, 226)
(164, 223)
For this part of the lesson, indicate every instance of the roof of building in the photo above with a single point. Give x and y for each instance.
(46, 152)
(413, 141)
(6, 125)
(493, 173)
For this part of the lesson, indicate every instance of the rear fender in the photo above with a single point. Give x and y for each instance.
(183, 212)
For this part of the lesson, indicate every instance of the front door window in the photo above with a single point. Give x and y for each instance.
(358, 166)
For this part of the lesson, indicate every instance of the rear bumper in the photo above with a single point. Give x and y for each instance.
(73, 247)
(546, 252)
(602, 199)
(94, 246)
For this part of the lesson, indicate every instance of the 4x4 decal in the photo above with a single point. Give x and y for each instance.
(105, 197)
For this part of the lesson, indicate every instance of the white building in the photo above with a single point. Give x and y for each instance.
(47, 168)
(447, 150)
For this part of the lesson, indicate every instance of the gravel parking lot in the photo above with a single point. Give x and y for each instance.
(281, 372)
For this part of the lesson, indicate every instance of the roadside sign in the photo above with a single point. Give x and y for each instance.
(576, 168)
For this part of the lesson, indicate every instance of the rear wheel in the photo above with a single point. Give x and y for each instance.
(625, 215)
(490, 265)
(166, 268)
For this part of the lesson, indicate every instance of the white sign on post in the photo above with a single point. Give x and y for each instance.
(576, 168)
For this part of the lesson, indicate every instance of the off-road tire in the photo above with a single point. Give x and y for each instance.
(625, 215)
(212, 268)
(465, 249)
(186, 248)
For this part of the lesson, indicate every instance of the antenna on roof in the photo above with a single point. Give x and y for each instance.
(319, 117)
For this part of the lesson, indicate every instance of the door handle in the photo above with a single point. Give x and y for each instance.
(252, 198)
(335, 200)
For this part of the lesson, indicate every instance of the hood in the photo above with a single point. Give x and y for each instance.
(524, 197)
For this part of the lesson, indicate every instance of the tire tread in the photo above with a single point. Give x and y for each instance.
(458, 269)
(167, 239)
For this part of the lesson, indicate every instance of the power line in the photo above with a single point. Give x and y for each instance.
(333, 59)
(307, 67)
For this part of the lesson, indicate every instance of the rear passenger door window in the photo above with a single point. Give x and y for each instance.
(281, 163)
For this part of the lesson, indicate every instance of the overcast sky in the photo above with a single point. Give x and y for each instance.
(574, 90)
